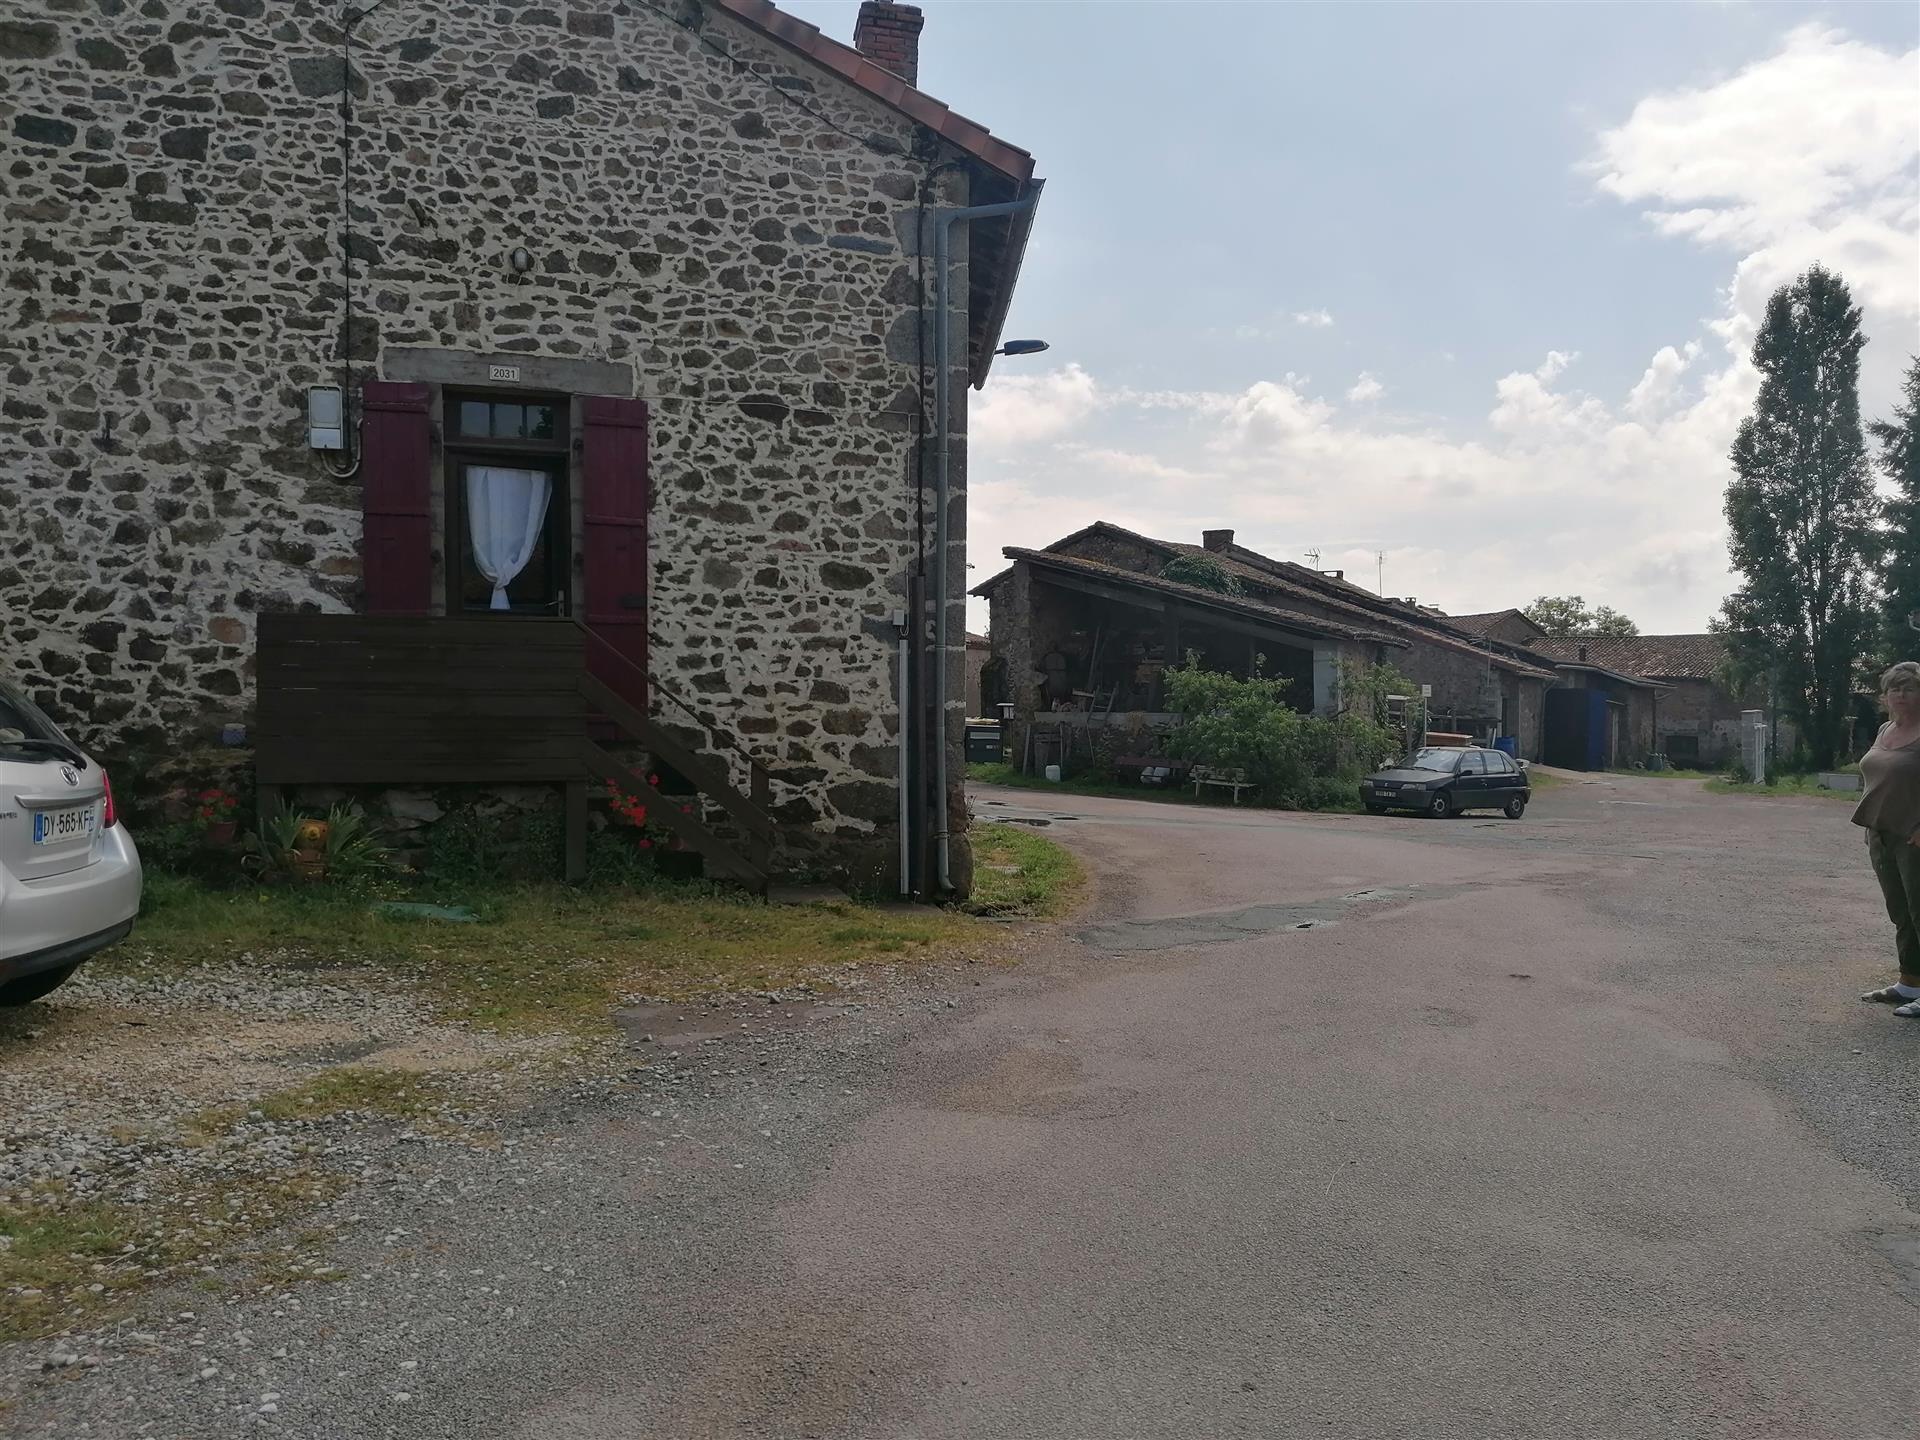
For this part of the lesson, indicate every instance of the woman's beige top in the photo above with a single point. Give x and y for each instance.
(1891, 781)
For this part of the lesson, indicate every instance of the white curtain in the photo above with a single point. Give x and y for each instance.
(506, 513)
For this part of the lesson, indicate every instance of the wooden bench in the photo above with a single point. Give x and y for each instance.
(1234, 780)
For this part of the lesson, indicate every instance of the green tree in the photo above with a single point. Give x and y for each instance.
(1569, 615)
(1801, 512)
(1899, 441)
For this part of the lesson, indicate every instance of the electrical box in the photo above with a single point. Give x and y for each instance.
(326, 418)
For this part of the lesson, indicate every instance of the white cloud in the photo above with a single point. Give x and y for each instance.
(1659, 388)
(1527, 405)
(1810, 135)
(1555, 365)
(1020, 409)
(1316, 319)
(1810, 154)
(1130, 463)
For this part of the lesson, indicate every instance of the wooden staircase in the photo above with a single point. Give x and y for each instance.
(747, 859)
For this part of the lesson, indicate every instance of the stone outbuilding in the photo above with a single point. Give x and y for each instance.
(1696, 717)
(979, 651)
(1668, 694)
(1089, 624)
(606, 315)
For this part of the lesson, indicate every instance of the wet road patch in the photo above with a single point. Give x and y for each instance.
(1171, 932)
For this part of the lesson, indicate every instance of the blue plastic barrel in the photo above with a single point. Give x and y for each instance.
(1508, 743)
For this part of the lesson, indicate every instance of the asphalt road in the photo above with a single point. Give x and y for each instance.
(1321, 1126)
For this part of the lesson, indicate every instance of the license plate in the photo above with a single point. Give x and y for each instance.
(53, 827)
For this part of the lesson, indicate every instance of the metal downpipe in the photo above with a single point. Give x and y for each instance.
(943, 222)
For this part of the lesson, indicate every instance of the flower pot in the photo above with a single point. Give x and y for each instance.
(219, 835)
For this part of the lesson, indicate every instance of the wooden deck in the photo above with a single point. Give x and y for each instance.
(403, 700)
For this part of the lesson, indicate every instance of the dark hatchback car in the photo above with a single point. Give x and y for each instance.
(1445, 781)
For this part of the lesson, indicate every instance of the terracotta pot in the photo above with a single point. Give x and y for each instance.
(219, 835)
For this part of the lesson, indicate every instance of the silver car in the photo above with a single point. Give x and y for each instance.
(69, 872)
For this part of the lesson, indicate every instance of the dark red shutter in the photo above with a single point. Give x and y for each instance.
(614, 500)
(396, 546)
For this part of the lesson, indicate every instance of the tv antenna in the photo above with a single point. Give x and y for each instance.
(1313, 558)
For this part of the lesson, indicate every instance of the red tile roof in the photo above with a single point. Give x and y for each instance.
(886, 87)
(1658, 657)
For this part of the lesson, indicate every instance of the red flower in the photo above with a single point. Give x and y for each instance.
(646, 844)
(653, 780)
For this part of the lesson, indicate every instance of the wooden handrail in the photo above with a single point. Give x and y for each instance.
(747, 813)
(716, 739)
(673, 818)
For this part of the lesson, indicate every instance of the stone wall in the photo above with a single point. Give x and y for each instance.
(1707, 713)
(172, 284)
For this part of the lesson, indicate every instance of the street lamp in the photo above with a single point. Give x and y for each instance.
(1022, 347)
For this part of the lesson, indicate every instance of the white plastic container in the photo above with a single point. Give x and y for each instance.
(1053, 773)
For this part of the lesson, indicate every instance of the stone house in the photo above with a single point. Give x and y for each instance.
(1091, 621)
(629, 308)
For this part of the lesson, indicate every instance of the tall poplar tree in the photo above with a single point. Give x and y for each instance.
(1899, 441)
(1801, 511)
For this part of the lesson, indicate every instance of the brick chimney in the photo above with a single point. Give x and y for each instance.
(1217, 540)
(889, 35)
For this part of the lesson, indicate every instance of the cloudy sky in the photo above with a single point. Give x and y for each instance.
(1469, 285)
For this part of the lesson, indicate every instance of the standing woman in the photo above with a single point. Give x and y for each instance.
(1890, 811)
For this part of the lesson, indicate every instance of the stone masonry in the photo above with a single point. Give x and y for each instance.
(732, 226)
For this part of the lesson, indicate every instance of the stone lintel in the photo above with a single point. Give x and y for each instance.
(425, 365)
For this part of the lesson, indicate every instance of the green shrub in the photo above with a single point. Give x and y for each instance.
(1330, 792)
(1307, 761)
(1202, 571)
(614, 858)
(355, 854)
(1243, 725)
(467, 849)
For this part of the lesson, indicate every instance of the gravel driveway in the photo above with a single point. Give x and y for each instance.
(1314, 1125)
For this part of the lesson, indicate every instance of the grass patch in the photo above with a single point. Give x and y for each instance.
(72, 1263)
(541, 957)
(1330, 795)
(1001, 773)
(368, 1089)
(1672, 773)
(1785, 785)
(58, 1253)
(1016, 872)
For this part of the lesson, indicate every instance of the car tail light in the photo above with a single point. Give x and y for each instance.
(110, 819)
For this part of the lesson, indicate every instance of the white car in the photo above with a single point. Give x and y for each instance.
(69, 872)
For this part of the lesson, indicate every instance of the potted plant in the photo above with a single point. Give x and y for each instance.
(213, 814)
